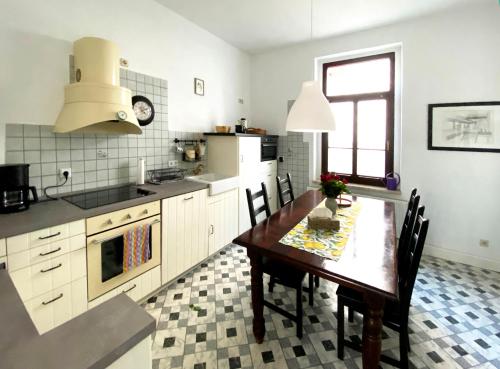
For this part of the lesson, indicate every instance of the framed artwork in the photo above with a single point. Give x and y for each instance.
(199, 87)
(472, 126)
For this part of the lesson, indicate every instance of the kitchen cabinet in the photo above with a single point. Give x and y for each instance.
(184, 233)
(58, 306)
(49, 269)
(240, 156)
(222, 220)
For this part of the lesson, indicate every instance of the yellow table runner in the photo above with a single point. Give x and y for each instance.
(326, 243)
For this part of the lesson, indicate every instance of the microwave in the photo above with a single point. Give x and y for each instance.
(268, 148)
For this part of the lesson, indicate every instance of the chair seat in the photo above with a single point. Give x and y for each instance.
(287, 275)
(355, 301)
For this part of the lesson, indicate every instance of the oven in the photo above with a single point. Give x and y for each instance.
(268, 148)
(105, 249)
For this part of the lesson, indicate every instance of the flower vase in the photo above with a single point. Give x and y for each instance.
(331, 204)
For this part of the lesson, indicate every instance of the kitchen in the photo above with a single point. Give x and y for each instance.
(116, 130)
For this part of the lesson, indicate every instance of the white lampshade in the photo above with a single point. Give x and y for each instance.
(311, 111)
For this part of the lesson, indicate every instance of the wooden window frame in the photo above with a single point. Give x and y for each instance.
(356, 98)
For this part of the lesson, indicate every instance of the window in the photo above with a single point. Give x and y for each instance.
(361, 96)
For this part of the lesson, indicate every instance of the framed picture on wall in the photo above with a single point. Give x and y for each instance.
(472, 126)
(199, 87)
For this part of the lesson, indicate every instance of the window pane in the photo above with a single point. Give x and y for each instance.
(371, 163)
(372, 124)
(343, 113)
(340, 161)
(357, 78)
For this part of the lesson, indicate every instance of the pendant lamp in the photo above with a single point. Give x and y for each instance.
(311, 111)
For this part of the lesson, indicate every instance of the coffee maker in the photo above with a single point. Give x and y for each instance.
(15, 188)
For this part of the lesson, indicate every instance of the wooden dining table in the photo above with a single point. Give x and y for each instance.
(368, 263)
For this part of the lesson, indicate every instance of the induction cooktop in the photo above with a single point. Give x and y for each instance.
(106, 196)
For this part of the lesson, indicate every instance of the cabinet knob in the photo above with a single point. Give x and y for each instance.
(145, 211)
(128, 216)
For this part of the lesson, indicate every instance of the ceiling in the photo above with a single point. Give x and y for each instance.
(257, 25)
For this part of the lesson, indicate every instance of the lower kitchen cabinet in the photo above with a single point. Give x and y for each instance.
(58, 306)
(222, 220)
(184, 233)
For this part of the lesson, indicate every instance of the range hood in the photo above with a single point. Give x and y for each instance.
(96, 103)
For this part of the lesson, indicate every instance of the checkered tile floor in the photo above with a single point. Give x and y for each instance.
(205, 321)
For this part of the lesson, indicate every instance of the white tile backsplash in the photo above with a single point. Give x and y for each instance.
(98, 160)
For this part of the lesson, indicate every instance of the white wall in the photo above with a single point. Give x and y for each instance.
(448, 57)
(36, 38)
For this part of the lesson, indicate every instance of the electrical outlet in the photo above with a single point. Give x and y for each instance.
(484, 243)
(173, 163)
(62, 170)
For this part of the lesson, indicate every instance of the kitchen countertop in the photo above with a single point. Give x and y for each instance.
(92, 340)
(51, 213)
(234, 134)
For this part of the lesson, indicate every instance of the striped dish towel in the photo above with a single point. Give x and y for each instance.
(136, 249)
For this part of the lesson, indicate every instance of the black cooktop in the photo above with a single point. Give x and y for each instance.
(106, 196)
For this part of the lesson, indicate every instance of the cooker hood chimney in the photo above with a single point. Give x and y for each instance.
(96, 103)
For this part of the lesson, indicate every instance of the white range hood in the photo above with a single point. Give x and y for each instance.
(96, 103)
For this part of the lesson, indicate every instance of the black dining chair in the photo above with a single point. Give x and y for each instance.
(286, 196)
(408, 222)
(396, 313)
(279, 272)
(285, 189)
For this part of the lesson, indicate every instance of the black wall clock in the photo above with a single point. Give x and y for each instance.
(143, 109)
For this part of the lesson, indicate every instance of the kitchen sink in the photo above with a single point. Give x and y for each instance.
(217, 183)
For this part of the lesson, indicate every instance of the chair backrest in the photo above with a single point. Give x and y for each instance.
(285, 188)
(408, 222)
(251, 208)
(416, 246)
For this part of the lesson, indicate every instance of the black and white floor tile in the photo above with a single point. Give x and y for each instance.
(204, 321)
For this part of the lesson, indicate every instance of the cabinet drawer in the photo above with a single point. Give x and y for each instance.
(44, 236)
(48, 235)
(50, 309)
(3, 247)
(121, 217)
(38, 254)
(268, 167)
(136, 288)
(43, 277)
(58, 306)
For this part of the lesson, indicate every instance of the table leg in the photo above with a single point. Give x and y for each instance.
(259, 329)
(372, 330)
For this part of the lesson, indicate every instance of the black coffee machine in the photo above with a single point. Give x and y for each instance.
(15, 188)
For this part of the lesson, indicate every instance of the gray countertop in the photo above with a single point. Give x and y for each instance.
(50, 213)
(92, 340)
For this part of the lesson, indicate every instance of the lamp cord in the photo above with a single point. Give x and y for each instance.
(311, 20)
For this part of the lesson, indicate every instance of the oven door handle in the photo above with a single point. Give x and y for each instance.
(269, 144)
(96, 241)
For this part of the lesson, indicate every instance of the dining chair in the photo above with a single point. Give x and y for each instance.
(279, 272)
(285, 189)
(396, 313)
(406, 228)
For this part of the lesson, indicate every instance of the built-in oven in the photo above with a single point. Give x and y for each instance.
(105, 251)
(268, 148)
